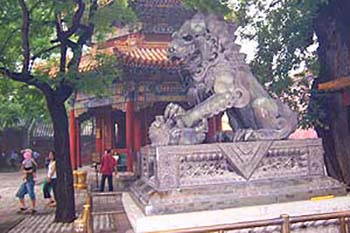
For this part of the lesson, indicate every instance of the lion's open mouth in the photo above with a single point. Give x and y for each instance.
(175, 59)
(192, 57)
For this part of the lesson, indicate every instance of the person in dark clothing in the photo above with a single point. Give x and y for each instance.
(108, 164)
(50, 182)
(13, 159)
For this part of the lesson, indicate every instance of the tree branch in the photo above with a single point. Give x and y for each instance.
(35, 56)
(28, 79)
(25, 36)
(74, 62)
(63, 58)
(85, 35)
(76, 19)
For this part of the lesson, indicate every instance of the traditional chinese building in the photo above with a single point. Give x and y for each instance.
(148, 84)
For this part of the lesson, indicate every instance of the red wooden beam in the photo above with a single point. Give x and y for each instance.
(211, 129)
(218, 123)
(336, 84)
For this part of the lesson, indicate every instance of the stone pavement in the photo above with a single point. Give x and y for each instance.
(9, 203)
(44, 224)
(12, 222)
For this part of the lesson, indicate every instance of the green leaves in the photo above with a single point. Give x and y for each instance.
(105, 18)
(48, 20)
(284, 61)
(20, 104)
(209, 6)
(60, 32)
(97, 81)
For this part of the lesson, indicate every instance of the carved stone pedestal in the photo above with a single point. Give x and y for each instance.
(179, 179)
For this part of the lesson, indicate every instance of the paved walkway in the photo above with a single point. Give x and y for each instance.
(12, 222)
(9, 204)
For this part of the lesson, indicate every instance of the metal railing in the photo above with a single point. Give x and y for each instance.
(84, 223)
(285, 221)
(98, 204)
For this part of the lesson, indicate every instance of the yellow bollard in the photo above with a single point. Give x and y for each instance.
(82, 181)
(86, 212)
(75, 178)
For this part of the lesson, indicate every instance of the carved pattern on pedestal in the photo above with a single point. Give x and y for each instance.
(205, 168)
(199, 165)
(167, 174)
(316, 162)
(245, 157)
(284, 163)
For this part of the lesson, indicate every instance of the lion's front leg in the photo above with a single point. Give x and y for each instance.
(228, 93)
(170, 130)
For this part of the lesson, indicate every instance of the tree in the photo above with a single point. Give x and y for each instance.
(37, 32)
(20, 105)
(332, 27)
(285, 31)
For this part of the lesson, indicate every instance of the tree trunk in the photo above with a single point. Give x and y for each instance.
(65, 210)
(333, 33)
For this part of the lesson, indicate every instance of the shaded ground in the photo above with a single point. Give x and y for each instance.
(9, 204)
(12, 222)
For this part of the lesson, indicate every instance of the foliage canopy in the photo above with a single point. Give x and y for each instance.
(39, 36)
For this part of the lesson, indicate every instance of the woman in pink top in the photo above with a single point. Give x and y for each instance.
(108, 164)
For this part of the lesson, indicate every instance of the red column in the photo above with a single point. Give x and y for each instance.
(129, 133)
(146, 127)
(108, 129)
(78, 144)
(137, 132)
(218, 123)
(72, 139)
(98, 140)
(211, 129)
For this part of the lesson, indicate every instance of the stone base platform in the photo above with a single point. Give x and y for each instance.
(174, 222)
(223, 196)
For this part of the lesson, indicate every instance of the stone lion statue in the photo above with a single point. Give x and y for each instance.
(221, 81)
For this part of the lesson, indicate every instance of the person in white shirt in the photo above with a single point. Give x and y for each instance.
(50, 182)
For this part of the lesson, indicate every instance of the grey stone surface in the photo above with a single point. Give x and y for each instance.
(221, 81)
(178, 222)
(221, 175)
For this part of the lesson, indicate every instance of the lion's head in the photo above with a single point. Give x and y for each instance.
(200, 40)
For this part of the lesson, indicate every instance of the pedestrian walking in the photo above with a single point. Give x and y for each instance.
(27, 187)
